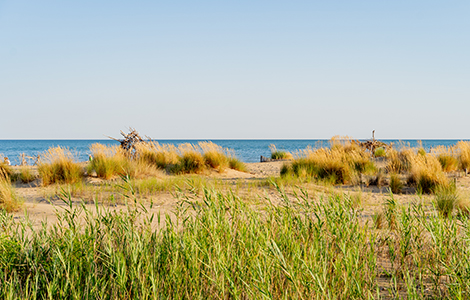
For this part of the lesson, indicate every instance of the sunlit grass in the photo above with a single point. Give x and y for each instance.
(59, 165)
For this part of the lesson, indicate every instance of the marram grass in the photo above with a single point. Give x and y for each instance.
(58, 165)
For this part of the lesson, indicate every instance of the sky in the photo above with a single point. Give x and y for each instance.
(235, 69)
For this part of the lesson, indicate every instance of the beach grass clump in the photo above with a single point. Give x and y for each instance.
(215, 156)
(59, 165)
(396, 185)
(110, 161)
(399, 161)
(446, 199)
(5, 169)
(9, 199)
(159, 155)
(463, 147)
(339, 164)
(236, 164)
(279, 154)
(190, 162)
(25, 175)
(426, 174)
(448, 162)
(447, 157)
(380, 152)
(187, 158)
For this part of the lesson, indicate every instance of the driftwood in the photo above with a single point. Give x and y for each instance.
(129, 141)
(265, 159)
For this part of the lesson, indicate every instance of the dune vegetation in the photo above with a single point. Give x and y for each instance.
(311, 233)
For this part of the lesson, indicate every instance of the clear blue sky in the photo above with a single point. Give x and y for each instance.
(235, 69)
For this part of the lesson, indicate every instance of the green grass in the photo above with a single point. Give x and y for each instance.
(380, 152)
(221, 247)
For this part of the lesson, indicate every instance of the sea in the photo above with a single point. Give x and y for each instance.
(246, 150)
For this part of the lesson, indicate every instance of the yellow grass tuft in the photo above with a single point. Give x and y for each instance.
(9, 200)
(339, 164)
(109, 161)
(58, 165)
(279, 154)
(464, 155)
(187, 158)
(427, 174)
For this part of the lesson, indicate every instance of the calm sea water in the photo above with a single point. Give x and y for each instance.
(246, 150)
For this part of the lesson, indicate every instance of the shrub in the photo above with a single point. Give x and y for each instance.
(58, 165)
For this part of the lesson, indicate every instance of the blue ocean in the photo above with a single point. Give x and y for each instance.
(246, 150)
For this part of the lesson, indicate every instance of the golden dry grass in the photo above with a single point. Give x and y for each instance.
(58, 165)
(339, 164)
(9, 200)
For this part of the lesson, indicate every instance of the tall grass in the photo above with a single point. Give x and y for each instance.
(9, 200)
(222, 248)
(447, 157)
(464, 156)
(427, 174)
(156, 154)
(339, 164)
(279, 154)
(109, 161)
(188, 158)
(58, 165)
